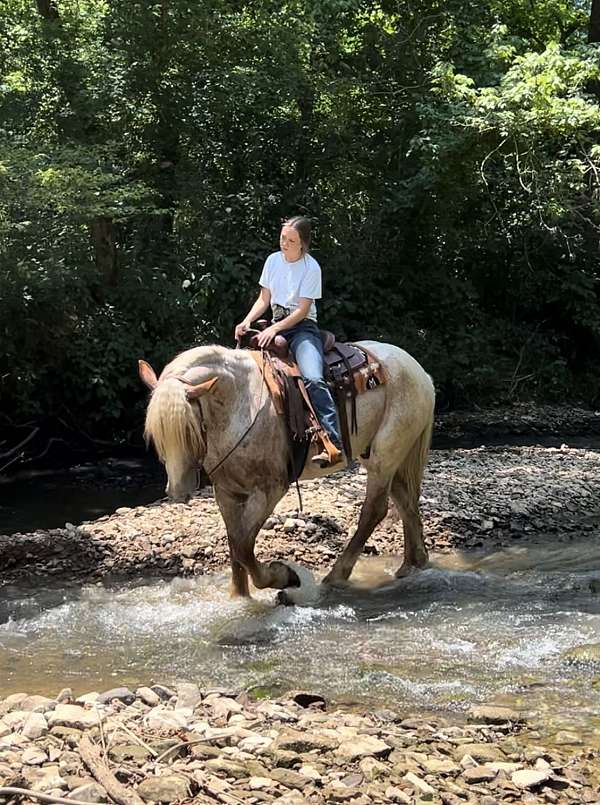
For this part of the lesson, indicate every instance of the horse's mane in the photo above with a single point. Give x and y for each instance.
(173, 424)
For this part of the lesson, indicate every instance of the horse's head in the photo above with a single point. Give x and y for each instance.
(174, 425)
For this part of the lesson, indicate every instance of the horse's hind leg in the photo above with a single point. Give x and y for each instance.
(372, 513)
(406, 498)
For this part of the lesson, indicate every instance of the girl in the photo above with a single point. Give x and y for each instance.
(291, 282)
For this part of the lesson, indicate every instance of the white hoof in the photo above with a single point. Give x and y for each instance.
(306, 594)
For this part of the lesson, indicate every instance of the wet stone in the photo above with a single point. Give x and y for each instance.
(121, 694)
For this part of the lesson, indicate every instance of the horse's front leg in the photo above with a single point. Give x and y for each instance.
(244, 516)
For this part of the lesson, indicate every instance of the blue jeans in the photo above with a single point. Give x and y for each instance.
(305, 343)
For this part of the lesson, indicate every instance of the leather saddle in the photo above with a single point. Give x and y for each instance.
(349, 370)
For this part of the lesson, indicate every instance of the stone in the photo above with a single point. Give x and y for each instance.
(586, 654)
(121, 694)
(362, 746)
(35, 727)
(34, 756)
(13, 701)
(372, 769)
(188, 695)
(299, 742)
(166, 788)
(436, 765)
(164, 720)
(482, 753)
(164, 692)
(228, 767)
(529, 778)
(90, 792)
(289, 778)
(70, 715)
(255, 744)
(479, 774)
(418, 784)
(69, 735)
(39, 704)
(65, 696)
(43, 779)
(148, 696)
(123, 752)
(566, 738)
(492, 714)
(256, 783)
(394, 794)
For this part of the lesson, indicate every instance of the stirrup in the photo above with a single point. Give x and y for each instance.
(323, 459)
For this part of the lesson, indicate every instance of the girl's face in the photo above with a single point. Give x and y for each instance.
(290, 243)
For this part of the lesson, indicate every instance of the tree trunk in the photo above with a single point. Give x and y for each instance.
(594, 29)
(47, 9)
(103, 236)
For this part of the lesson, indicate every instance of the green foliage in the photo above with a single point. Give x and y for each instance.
(447, 153)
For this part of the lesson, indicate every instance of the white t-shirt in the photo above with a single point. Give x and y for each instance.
(288, 282)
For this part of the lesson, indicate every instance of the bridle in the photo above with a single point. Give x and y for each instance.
(219, 464)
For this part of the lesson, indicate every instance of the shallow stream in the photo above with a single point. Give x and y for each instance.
(469, 629)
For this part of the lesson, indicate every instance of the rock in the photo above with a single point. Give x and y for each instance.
(362, 746)
(121, 694)
(256, 783)
(255, 744)
(69, 735)
(227, 767)
(123, 752)
(492, 714)
(393, 794)
(164, 692)
(307, 699)
(13, 701)
(164, 720)
(435, 765)
(166, 788)
(529, 778)
(188, 695)
(479, 774)
(372, 769)
(39, 704)
(148, 696)
(65, 696)
(90, 792)
(70, 715)
(299, 742)
(44, 779)
(482, 753)
(566, 738)
(289, 778)
(33, 756)
(586, 654)
(418, 784)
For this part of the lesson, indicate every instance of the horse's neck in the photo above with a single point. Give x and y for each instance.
(236, 398)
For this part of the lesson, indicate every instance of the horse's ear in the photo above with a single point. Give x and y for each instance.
(147, 374)
(193, 392)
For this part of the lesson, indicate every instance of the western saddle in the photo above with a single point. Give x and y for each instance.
(349, 370)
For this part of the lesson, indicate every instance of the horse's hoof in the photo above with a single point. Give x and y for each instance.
(406, 570)
(283, 599)
(293, 580)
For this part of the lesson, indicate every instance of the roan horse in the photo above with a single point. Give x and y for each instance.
(211, 407)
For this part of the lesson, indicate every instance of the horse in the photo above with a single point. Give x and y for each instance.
(211, 408)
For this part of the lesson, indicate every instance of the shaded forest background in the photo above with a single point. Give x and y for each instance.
(447, 152)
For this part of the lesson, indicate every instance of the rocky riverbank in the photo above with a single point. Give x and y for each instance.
(214, 746)
(481, 498)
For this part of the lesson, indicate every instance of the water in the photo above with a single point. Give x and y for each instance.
(84, 492)
(466, 630)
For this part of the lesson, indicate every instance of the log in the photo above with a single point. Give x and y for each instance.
(116, 790)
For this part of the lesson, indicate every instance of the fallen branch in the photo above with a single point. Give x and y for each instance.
(26, 792)
(116, 790)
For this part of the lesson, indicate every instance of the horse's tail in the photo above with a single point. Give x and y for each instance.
(413, 467)
(172, 422)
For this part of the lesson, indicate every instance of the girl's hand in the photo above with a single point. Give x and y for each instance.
(266, 336)
(241, 329)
